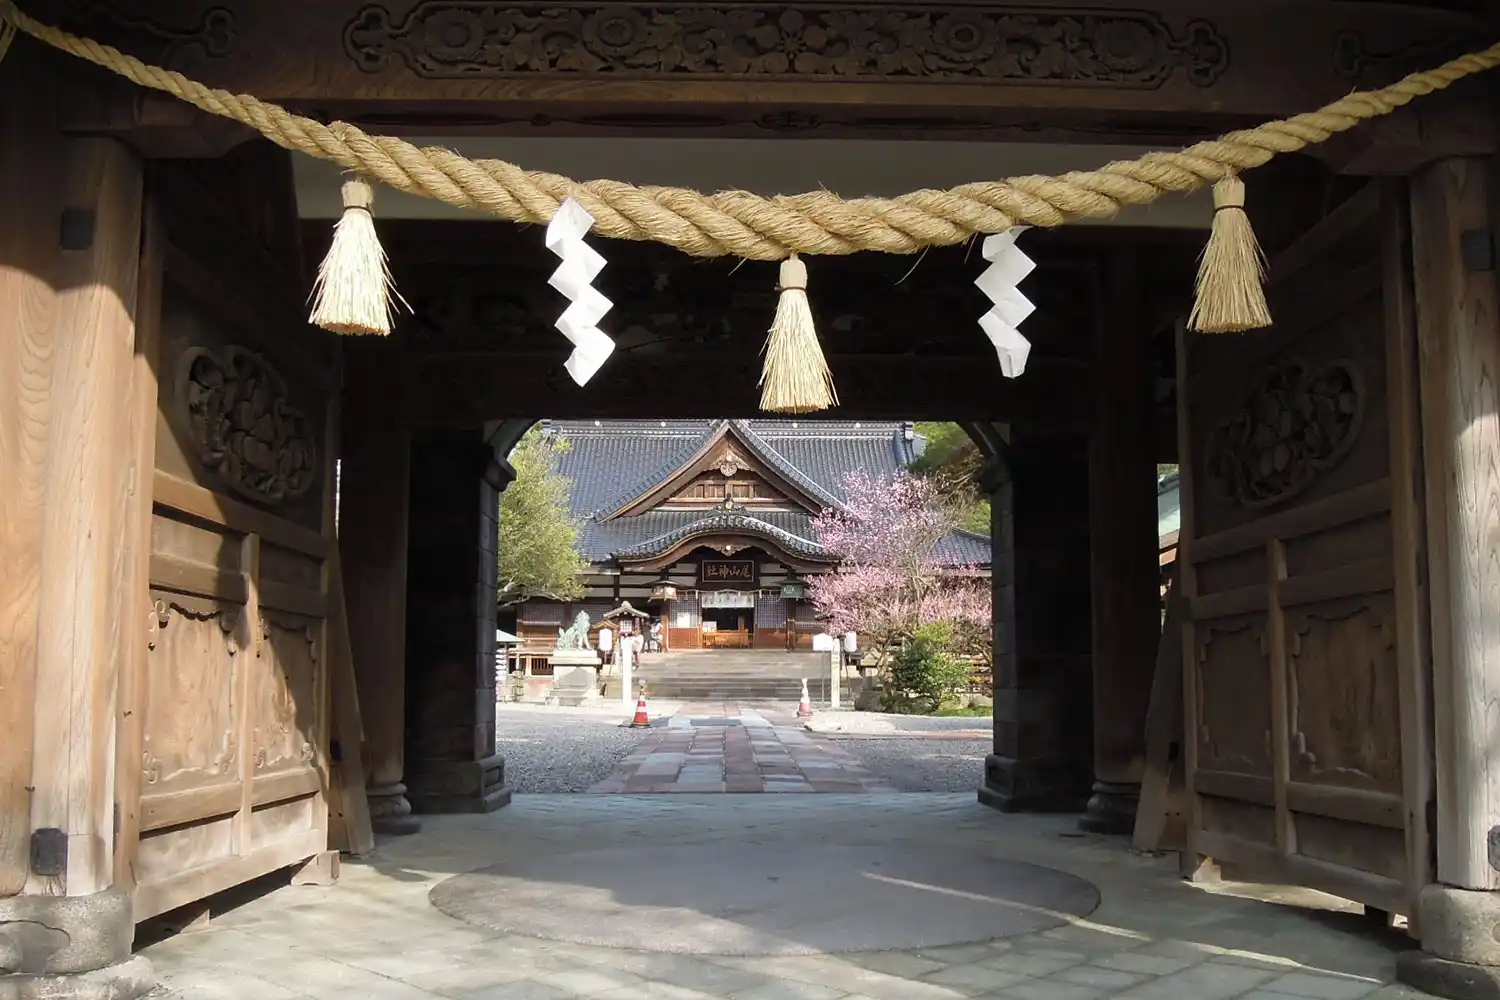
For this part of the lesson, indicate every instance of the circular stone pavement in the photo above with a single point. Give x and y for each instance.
(766, 900)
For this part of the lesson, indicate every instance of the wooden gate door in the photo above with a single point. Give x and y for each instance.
(223, 761)
(1306, 672)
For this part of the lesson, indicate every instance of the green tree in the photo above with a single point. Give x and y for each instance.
(953, 462)
(538, 534)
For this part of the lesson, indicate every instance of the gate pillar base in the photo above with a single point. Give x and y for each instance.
(458, 786)
(125, 980)
(70, 948)
(1032, 786)
(390, 812)
(1460, 956)
(1111, 809)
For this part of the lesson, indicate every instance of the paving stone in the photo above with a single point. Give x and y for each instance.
(1030, 964)
(974, 979)
(1206, 981)
(1107, 980)
(704, 754)
(523, 989)
(1151, 965)
(1305, 984)
(1050, 989)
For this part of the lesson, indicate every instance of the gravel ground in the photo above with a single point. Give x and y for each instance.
(561, 751)
(921, 765)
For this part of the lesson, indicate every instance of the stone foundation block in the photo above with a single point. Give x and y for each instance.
(1460, 956)
(457, 786)
(1040, 786)
(70, 948)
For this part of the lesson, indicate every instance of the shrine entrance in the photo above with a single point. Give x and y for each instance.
(208, 678)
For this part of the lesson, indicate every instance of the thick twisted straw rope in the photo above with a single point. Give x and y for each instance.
(747, 225)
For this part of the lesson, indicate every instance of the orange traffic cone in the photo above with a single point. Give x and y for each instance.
(804, 707)
(641, 720)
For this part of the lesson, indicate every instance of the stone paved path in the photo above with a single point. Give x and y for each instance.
(375, 935)
(728, 747)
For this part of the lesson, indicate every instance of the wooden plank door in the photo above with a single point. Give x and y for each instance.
(223, 760)
(1305, 667)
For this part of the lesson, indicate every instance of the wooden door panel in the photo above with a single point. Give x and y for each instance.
(234, 736)
(1298, 680)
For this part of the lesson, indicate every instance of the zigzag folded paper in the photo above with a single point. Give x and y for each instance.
(574, 278)
(1008, 268)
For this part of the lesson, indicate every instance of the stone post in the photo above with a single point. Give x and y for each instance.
(1458, 330)
(625, 657)
(835, 675)
(1039, 518)
(453, 534)
(1124, 563)
(73, 524)
(374, 480)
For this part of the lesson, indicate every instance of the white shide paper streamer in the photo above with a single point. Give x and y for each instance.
(574, 278)
(1008, 268)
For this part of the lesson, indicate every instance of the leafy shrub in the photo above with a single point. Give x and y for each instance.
(925, 673)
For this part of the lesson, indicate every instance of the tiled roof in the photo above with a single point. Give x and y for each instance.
(708, 522)
(611, 462)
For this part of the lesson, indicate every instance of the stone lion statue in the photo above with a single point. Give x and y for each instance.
(575, 636)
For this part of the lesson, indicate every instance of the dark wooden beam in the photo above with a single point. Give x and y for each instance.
(155, 125)
(491, 62)
(463, 390)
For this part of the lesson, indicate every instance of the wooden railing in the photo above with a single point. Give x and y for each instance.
(727, 639)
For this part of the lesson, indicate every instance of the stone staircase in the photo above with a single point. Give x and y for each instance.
(735, 675)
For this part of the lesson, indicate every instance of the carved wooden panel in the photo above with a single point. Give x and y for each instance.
(1234, 697)
(465, 39)
(243, 426)
(1299, 420)
(285, 695)
(195, 655)
(694, 65)
(1343, 695)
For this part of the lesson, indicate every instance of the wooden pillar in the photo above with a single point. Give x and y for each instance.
(30, 155)
(1123, 558)
(1039, 532)
(70, 244)
(1458, 321)
(374, 481)
(453, 537)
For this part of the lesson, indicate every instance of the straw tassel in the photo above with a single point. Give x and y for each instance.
(354, 288)
(1231, 274)
(796, 378)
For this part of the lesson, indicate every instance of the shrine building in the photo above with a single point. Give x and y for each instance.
(708, 524)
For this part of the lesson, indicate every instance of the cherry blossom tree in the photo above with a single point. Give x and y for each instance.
(891, 583)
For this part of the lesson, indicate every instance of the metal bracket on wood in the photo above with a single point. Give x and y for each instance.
(49, 852)
(77, 230)
(1477, 249)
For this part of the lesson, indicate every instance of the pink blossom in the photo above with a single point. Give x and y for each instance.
(890, 583)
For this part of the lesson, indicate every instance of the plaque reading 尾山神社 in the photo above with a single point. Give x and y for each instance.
(726, 573)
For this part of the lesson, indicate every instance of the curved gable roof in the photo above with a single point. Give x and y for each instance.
(612, 462)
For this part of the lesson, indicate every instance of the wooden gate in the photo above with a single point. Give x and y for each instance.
(223, 765)
(1306, 673)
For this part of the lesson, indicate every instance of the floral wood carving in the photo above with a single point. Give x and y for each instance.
(492, 38)
(213, 34)
(241, 422)
(729, 464)
(1299, 421)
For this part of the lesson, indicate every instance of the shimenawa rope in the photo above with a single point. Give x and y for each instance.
(739, 223)
(747, 225)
